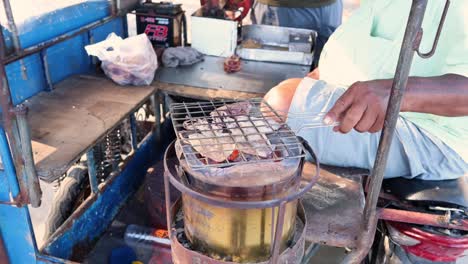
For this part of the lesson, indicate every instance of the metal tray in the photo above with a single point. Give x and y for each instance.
(298, 44)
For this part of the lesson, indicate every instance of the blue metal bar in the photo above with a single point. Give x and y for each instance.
(133, 128)
(92, 171)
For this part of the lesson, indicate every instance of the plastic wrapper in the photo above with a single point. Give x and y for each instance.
(126, 61)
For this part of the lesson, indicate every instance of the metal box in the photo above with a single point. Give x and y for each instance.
(278, 44)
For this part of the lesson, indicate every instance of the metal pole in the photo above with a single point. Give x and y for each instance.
(10, 126)
(12, 26)
(167, 196)
(92, 171)
(32, 181)
(400, 81)
(278, 233)
(133, 131)
(155, 100)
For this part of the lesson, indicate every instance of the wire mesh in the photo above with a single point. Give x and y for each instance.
(230, 132)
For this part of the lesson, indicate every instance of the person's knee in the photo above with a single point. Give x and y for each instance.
(281, 96)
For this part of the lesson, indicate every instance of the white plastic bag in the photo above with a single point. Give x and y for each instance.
(126, 61)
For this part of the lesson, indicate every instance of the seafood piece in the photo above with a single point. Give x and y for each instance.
(216, 149)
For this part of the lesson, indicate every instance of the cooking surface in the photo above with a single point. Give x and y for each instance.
(254, 76)
(225, 133)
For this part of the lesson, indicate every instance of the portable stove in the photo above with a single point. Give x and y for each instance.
(241, 208)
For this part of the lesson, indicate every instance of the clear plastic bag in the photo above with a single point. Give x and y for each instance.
(126, 61)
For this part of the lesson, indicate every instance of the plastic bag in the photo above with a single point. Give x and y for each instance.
(126, 61)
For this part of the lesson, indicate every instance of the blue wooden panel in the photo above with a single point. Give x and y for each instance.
(16, 231)
(49, 25)
(100, 33)
(68, 58)
(64, 59)
(23, 86)
(87, 228)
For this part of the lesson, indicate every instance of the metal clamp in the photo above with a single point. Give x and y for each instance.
(437, 36)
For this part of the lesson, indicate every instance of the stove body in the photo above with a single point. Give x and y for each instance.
(242, 210)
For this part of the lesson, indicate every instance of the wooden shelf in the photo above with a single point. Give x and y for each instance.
(69, 120)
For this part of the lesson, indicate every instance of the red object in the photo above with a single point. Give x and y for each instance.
(232, 64)
(233, 5)
(234, 155)
(433, 247)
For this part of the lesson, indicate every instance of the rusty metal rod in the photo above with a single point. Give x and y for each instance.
(421, 218)
(400, 81)
(31, 178)
(12, 26)
(11, 128)
(167, 197)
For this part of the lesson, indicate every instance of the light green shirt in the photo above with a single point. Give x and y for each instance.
(367, 46)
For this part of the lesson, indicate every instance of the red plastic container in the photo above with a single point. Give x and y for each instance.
(433, 247)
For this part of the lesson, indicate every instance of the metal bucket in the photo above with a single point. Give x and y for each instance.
(249, 223)
(245, 235)
(293, 254)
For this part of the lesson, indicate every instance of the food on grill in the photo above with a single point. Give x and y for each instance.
(231, 133)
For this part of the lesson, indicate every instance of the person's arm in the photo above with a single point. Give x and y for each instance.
(363, 105)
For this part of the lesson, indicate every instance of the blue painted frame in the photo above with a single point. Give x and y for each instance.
(27, 78)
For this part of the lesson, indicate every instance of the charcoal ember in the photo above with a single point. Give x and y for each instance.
(232, 64)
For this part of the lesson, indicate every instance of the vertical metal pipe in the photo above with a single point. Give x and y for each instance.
(93, 59)
(92, 171)
(167, 196)
(133, 130)
(45, 65)
(32, 181)
(155, 104)
(278, 233)
(12, 26)
(400, 81)
(10, 126)
(8, 163)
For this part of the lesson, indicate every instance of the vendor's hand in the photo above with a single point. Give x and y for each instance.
(361, 107)
(315, 74)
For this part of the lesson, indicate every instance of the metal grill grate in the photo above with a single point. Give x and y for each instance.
(227, 132)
